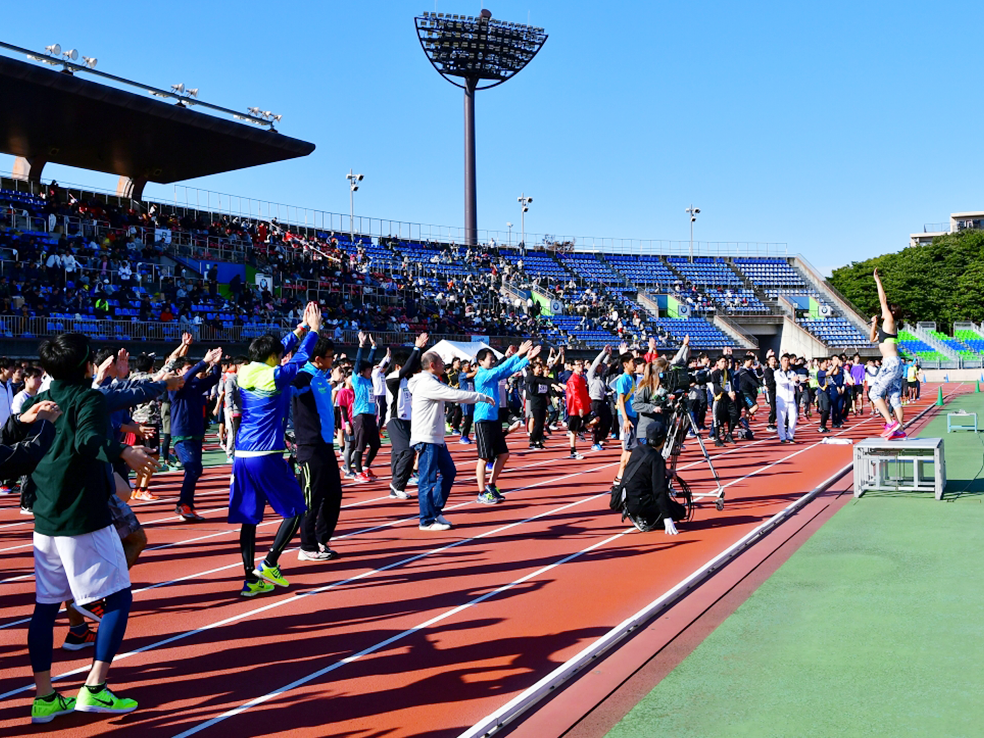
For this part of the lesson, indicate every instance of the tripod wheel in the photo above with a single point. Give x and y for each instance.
(719, 504)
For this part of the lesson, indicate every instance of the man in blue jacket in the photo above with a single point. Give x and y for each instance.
(188, 424)
(489, 438)
(260, 474)
(317, 465)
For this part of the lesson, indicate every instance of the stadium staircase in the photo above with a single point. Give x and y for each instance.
(969, 336)
(926, 333)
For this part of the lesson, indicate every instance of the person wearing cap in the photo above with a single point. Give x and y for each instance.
(645, 485)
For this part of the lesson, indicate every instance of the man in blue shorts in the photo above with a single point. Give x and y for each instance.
(260, 474)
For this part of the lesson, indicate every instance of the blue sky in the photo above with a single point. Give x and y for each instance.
(836, 128)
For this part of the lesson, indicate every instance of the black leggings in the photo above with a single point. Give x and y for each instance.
(247, 544)
(603, 410)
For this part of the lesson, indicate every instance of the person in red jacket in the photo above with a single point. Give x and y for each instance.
(578, 406)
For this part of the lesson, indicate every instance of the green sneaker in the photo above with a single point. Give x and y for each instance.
(44, 711)
(103, 701)
(271, 574)
(251, 589)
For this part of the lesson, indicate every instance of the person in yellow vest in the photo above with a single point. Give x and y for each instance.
(913, 380)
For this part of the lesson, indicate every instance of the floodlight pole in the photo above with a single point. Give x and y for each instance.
(482, 53)
(353, 180)
(471, 183)
(692, 212)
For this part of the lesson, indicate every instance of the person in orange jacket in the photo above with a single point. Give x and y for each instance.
(578, 406)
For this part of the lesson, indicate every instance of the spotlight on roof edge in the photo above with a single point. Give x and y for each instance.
(67, 60)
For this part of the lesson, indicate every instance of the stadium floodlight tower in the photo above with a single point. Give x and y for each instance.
(482, 53)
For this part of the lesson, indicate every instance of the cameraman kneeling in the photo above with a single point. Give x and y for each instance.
(645, 483)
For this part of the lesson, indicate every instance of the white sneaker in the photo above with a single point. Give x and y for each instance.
(303, 555)
(398, 494)
(436, 526)
(443, 520)
(515, 426)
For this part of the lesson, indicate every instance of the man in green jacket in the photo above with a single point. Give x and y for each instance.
(77, 553)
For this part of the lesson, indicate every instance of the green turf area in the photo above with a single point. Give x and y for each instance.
(872, 628)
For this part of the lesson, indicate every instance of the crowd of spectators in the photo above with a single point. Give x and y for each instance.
(100, 259)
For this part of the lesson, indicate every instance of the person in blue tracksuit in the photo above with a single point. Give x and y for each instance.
(188, 424)
(489, 438)
(317, 465)
(260, 474)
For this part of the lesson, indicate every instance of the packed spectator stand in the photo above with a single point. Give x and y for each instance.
(81, 262)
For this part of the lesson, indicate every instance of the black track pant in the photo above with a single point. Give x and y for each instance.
(401, 455)
(726, 414)
(539, 413)
(321, 483)
(772, 405)
(601, 409)
(366, 434)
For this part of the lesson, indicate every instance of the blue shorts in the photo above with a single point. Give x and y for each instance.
(257, 480)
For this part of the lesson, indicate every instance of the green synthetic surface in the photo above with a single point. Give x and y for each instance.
(874, 627)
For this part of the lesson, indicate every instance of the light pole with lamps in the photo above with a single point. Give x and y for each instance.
(524, 205)
(353, 180)
(692, 212)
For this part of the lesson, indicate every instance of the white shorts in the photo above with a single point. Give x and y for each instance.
(85, 568)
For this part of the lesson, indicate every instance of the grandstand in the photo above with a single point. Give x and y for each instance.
(913, 347)
(125, 270)
(370, 279)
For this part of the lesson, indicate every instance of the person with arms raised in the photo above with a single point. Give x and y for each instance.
(429, 396)
(489, 437)
(260, 474)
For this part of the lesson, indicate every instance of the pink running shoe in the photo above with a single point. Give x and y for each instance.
(890, 429)
(898, 435)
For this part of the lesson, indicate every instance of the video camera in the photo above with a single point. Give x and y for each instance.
(676, 379)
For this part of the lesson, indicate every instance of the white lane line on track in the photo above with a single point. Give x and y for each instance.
(697, 462)
(325, 588)
(382, 644)
(388, 524)
(548, 684)
(543, 462)
(400, 636)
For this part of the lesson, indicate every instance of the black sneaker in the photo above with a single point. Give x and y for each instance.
(729, 438)
(824, 430)
(718, 442)
(92, 610)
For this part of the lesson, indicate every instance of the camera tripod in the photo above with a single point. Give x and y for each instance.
(681, 421)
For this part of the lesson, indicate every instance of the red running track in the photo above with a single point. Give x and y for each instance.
(409, 633)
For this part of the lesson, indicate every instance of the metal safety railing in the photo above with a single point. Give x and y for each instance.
(15, 326)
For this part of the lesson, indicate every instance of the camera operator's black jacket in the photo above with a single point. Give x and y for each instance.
(647, 495)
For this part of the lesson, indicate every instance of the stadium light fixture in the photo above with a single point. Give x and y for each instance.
(353, 180)
(68, 61)
(509, 226)
(692, 212)
(524, 206)
(481, 52)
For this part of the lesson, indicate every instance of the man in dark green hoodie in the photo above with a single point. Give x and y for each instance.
(77, 553)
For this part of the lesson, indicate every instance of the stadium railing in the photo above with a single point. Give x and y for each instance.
(15, 326)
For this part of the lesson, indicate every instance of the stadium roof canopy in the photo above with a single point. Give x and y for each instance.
(63, 118)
